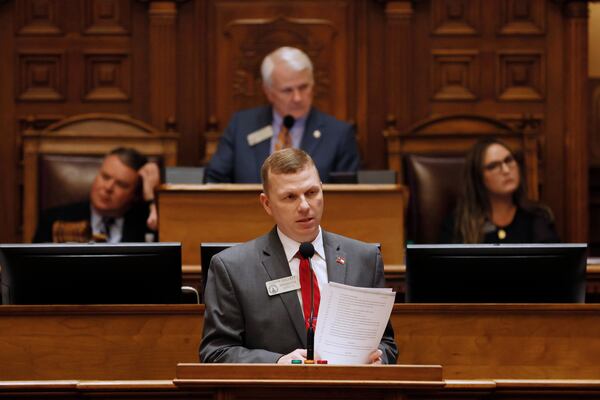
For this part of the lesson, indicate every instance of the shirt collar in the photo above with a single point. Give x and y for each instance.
(278, 120)
(290, 246)
(98, 224)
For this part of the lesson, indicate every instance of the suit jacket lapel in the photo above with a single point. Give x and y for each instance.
(336, 272)
(276, 265)
(309, 141)
(263, 149)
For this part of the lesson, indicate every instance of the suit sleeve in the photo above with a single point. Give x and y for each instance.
(388, 343)
(348, 157)
(223, 336)
(43, 231)
(221, 165)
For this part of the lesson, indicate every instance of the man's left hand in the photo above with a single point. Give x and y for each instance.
(150, 179)
(375, 357)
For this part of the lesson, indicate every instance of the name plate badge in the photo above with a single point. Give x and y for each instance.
(260, 135)
(283, 285)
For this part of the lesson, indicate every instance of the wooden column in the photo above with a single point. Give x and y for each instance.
(576, 120)
(9, 148)
(162, 62)
(398, 75)
(399, 58)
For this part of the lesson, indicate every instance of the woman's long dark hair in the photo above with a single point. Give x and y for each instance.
(473, 207)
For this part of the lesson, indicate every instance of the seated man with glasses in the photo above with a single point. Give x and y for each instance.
(493, 206)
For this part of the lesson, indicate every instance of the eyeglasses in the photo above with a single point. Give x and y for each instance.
(496, 166)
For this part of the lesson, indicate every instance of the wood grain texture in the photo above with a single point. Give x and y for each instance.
(194, 214)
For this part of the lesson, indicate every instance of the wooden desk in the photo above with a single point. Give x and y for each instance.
(470, 341)
(97, 342)
(194, 214)
(277, 388)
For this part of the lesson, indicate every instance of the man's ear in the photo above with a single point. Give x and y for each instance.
(264, 200)
(267, 91)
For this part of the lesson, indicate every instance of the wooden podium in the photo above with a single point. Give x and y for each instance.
(194, 214)
(231, 381)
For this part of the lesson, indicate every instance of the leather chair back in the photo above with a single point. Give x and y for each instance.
(428, 158)
(61, 161)
(434, 186)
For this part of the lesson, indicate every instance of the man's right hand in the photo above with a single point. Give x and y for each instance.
(298, 354)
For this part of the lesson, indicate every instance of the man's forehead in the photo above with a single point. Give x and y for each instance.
(304, 178)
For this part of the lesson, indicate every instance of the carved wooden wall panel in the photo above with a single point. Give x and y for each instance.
(245, 32)
(455, 17)
(455, 75)
(40, 17)
(378, 63)
(106, 17)
(65, 57)
(521, 75)
(107, 76)
(522, 17)
(42, 76)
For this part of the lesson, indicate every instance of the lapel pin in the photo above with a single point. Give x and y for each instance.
(317, 134)
(340, 260)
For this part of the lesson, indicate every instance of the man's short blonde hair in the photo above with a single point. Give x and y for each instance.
(286, 161)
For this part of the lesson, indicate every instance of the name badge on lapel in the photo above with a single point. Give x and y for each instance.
(260, 135)
(283, 285)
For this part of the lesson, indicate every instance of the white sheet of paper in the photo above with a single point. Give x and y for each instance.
(351, 322)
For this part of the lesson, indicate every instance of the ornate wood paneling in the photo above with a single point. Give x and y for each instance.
(107, 76)
(195, 62)
(244, 32)
(42, 76)
(106, 17)
(522, 17)
(521, 75)
(455, 75)
(40, 17)
(455, 17)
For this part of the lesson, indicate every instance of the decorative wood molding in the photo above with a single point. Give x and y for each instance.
(398, 68)
(522, 17)
(576, 106)
(455, 17)
(455, 75)
(252, 39)
(39, 17)
(521, 75)
(106, 17)
(107, 76)
(41, 76)
(162, 61)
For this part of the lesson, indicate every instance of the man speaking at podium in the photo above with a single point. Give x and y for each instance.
(258, 294)
(290, 121)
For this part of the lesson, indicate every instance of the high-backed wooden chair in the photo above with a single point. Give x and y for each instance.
(61, 161)
(429, 159)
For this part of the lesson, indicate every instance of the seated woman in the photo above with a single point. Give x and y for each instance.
(493, 206)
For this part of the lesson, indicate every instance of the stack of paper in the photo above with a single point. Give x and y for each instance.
(351, 322)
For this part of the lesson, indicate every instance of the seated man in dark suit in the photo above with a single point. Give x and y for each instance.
(120, 208)
(246, 323)
(290, 121)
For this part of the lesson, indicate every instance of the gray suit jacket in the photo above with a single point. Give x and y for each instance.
(243, 324)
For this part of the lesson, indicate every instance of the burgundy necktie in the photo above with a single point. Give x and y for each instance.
(305, 288)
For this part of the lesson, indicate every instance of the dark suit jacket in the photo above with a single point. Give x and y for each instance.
(243, 324)
(238, 162)
(134, 226)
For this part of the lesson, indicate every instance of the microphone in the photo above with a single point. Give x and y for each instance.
(307, 250)
(288, 122)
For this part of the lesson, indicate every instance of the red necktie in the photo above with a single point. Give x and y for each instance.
(305, 288)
